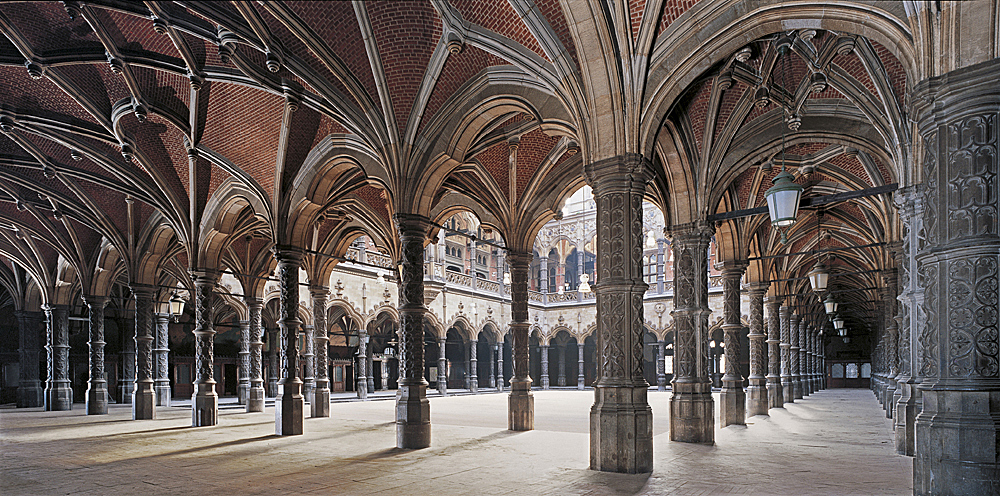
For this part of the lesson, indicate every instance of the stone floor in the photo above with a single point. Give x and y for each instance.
(834, 442)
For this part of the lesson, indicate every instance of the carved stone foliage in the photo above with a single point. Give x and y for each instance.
(928, 275)
(758, 353)
(972, 177)
(204, 330)
(972, 317)
(96, 307)
(144, 335)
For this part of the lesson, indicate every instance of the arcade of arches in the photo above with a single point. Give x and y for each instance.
(471, 195)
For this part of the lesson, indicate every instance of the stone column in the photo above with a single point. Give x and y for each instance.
(413, 412)
(289, 405)
(273, 365)
(127, 382)
(144, 396)
(243, 388)
(362, 365)
(493, 377)
(732, 401)
(691, 406)
(320, 406)
(442, 379)
(383, 369)
(661, 365)
(309, 363)
(520, 403)
(162, 359)
(543, 274)
(756, 383)
(500, 373)
(205, 400)
(892, 341)
(804, 363)
(580, 378)
(561, 366)
(775, 393)
(910, 215)
(473, 366)
(794, 323)
(255, 396)
(787, 388)
(957, 432)
(545, 366)
(621, 437)
(97, 384)
(59, 393)
(29, 386)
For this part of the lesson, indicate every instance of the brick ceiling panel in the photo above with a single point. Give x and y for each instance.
(458, 69)
(500, 18)
(697, 102)
(205, 52)
(375, 199)
(10, 149)
(852, 64)
(259, 59)
(496, 161)
(293, 45)
(26, 95)
(49, 30)
(744, 185)
(89, 239)
(552, 11)
(337, 24)
(305, 122)
(168, 90)
(134, 34)
(50, 149)
(636, 8)
(326, 127)
(243, 125)
(672, 9)
(729, 100)
(894, 69)
(853, 166)
(406, 33)
(161, 144)
(111, 204)
(534, 147)
(803, 149)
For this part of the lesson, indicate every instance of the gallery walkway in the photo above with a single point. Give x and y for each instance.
(833, 442)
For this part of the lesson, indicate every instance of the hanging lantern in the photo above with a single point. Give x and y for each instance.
(783, 200)
(819, 277)
(506, 278)
(176, 306)
(838, 324)
(831, 305)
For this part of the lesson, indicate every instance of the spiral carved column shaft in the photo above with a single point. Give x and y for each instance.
(144, 396)
(521, 403)
(97, 384)
(161, 353)
(255, 395)
(413, 413)
(321, 394)
(205, 400)
(775, 393)
(787, 387)
(732, 407)
(243, 386)
(756, 385)
(289, 405)
(59, 394)
(794, 322)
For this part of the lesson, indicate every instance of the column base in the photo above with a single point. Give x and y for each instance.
(661, 382)
(60, 397)
(126, 391)
(692, 412)
(756, 400)
(321, 402)
(621, 430)
(97, 398)
(143, 401)
(520, 406)
(907, 408)
(308, 388)
(775, 395)
(545, 382)
(890, 393)
(204, 405)
(956, 442)
(579, 383)
(474, 385)
(362, 387)
(272, 388)
(413, 417)
(797, 389)
(242, 391)
(255, 399)
(30, 394)
(732, 406)
(289, 409)
(163, 394)
(788, 392)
